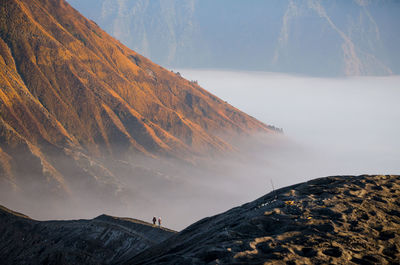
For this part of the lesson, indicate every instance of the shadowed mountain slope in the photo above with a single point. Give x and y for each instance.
(97, 241)
(74, 101)
(333, 220)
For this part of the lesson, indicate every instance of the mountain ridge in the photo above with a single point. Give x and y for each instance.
(96, 241)
(335, 220)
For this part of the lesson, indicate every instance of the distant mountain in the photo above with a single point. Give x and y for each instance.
(333, 220)
(340, 37)
(76, 105)
(102, 240)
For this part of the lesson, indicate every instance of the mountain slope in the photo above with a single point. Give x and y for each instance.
(76, 105)
(95, 86)
(333, 220)
(96, 241)
(308, 36)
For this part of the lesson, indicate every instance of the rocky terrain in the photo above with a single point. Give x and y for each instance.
(97, 241)
(332, 220)
(313, 37)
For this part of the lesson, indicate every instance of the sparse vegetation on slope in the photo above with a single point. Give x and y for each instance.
(74, 102)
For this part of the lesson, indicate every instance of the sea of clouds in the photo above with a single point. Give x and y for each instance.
(344, 125)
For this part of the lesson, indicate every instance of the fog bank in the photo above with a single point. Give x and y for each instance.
(343, 125)
(346, 126)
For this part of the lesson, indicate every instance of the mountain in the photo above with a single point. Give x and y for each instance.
(333, 220)
(328, 38)
(79, 111)
(97, 241)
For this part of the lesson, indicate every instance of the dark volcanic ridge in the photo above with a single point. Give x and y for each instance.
(332, 220)
(102, 240)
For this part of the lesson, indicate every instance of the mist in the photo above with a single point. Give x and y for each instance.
(350, 124)
(332, 126)
(343, 126)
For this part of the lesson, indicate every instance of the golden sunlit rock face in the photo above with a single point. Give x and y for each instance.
(70, 90)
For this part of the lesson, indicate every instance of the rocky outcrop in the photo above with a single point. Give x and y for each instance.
(97, 241)
(333, 220)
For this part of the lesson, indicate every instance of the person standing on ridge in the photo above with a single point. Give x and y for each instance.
(154, 220)
(159, 221)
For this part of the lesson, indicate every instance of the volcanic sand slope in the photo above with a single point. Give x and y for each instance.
(97, 241)
(71, 97)
(333, 220)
